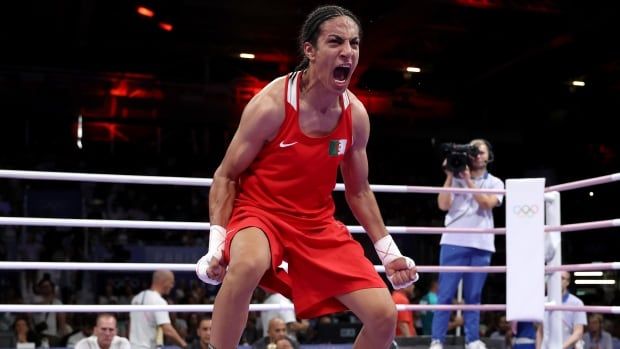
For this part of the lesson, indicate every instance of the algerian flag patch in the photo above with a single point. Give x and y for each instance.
(337, 147)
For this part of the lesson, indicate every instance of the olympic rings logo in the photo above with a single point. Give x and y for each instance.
(525, 210)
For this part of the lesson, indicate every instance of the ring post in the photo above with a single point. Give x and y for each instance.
(553, 329)
(525, 242)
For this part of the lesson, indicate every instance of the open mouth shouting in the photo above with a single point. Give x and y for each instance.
(341, 74)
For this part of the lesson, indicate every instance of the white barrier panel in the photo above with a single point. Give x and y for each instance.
(525, 242)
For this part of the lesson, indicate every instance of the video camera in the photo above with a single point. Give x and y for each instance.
(458, 156)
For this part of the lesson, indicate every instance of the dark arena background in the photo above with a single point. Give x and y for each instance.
(157, 88)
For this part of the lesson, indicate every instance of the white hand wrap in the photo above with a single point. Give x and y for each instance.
(388, 252)
(217, 238)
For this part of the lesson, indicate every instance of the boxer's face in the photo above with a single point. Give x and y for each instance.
(336, 54)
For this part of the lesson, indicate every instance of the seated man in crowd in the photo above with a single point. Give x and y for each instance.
(204, 334)
(595, 336)
(276, 330)
(295, 328)
(87, 323)
(284, 343)
(104, 335)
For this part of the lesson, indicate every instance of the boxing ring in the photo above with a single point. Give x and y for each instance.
(553, 228)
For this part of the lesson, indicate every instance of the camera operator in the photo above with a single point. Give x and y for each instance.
(466, 210)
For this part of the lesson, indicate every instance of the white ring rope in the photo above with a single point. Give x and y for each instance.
(610, 223)
(96, 266)
(584, 267)
(40, 308)
(193, 181)
(383, 188)
(184, 308)
(104, 178)
(584, 183)
(431, 230)
(502, 307)
(137, 224)
(586, 308)
(192, 267)
(102, 223)
(184, 267)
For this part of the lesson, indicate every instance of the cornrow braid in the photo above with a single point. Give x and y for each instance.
(311, 28)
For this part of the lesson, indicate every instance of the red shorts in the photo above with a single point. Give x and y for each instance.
(324, 260)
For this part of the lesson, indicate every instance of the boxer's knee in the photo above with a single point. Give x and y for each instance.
(250, 257)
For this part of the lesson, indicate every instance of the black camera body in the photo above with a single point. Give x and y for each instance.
(458, 156)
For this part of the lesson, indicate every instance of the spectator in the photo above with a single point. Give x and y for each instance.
(427, 315)
(108, 296)
(572, 322)
(276, 330)
(85, 331)
(145, 326)
(503, 331)
(526, 335)
(204, 335)
(22, 333)
(293, 326)
(404, 319)
(104, 335)
(51, 326)
(284, 343)
(596, 337)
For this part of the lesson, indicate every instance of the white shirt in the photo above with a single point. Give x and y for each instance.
(569, 320)
(91, 343)
(287, 315)
(143, 324)
(49, 318)
(74, 339)
(465, 212)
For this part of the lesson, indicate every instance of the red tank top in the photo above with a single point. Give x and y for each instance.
(295, 174)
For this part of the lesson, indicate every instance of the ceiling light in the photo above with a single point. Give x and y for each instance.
(247, 55)
(588, 273)
(80, 132)
(166, 26)
(578, 83)
(413, 69)
(595, 282)
(145, 11)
